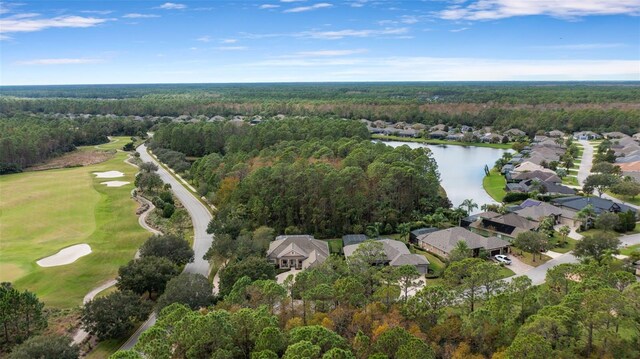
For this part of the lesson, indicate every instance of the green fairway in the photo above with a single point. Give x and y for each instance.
(495, 184)
(43, 212)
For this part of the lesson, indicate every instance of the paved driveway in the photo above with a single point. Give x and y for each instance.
(517, 266)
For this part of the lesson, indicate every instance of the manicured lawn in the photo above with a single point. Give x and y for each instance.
(494, 185)
(435, 264)
(573, 172)
(506, 272)
(628, 250)
(634, 200)
(569, 180)
(442, 142)
(43, 212)
(117, 142)
(527, 257)
(106, 348)
(571, 245)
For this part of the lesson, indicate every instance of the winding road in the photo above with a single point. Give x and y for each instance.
(200, 217)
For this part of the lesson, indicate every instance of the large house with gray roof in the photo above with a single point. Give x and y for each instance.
(444, 241)
(297, 252)
(396, 253)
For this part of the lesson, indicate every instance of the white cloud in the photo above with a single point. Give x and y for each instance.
(594, 46)
(340, 34)
(205, 38)
(229, 41)
(500, 9)
(439, 69)
(269, 6)
(329, 53)
(63, 61)
(322, 5)
(231, 48)
(459, 30)
(409, 19)
(97, 12)
(24, 23)
(140, 16)
(172, 6)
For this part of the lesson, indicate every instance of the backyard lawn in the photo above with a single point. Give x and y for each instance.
(45, 211)
(494, 184)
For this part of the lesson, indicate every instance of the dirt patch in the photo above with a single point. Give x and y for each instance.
(78, 158)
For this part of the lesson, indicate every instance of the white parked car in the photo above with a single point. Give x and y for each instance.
(500, 258)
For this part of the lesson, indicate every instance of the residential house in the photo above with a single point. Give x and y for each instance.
(538, 211)
(600, 205)
(556, 134)
(350, 239)
(535, 184)
(543, 176)
(505, 225)
(297, 251)
(586, 135)
(438, 134)
(444, 241)
(396, 254)
(611, 135)
(413, 236)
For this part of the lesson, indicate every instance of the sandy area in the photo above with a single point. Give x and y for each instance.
(109, 174)
(115, 183)
(73, 159)
(65, 256)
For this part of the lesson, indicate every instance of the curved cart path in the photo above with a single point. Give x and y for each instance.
(81, 335)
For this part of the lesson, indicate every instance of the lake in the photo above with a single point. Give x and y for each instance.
(461, 169)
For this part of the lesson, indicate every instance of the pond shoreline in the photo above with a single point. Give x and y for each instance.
(435, 142)
(462, 169)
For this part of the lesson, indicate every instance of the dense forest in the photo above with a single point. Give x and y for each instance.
(27, 139)
(530, 106)
(585, 310)
(323, 177)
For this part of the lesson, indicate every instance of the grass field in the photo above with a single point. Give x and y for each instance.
(43, 212)
(571, 181)
(494, 184)
(442, 142)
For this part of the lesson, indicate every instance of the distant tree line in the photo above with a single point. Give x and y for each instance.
(27, 139)
(529, 106)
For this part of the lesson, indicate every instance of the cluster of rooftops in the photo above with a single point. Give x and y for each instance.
(487, 231)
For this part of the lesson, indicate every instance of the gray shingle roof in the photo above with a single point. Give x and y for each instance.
(447, 239)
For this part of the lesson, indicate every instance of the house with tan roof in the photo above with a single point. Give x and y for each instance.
(396, 254)
(505, 225)
(297, 251)
(444, 241)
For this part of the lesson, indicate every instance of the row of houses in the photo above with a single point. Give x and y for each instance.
(462, 133)
(526, 172)
(304, 251)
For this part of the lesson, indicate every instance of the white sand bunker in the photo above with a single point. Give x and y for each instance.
(109, 174)
(115, 183)
(65, 256)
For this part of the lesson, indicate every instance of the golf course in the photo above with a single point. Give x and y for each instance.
(44, 212)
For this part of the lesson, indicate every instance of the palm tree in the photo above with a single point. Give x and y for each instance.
(564, 232)
(586, 214)
(469, 204)
(404, 229)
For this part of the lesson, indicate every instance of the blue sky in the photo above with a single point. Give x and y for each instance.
(84, 42)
